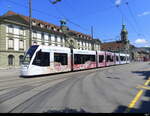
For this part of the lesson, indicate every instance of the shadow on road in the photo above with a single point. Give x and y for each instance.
(144, 105)
(143, 73)
(144, 102)
(67, 110)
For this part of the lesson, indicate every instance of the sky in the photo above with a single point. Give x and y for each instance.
(105, 16)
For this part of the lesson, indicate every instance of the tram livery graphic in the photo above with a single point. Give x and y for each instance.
(42, 60)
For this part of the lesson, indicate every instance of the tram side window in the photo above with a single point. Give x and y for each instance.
(92, 58)
(108, 58)
(42, 59)
(122, 58)
(61, 58)
(112, 58)
(81, 59)
(78, 59)
(101, 58)
(117, 58)
(128, 58)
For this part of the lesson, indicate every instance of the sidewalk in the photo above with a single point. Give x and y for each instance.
(9, 68)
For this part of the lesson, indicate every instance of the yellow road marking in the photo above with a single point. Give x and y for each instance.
(143, 87)
(147, 82)
(133, 102)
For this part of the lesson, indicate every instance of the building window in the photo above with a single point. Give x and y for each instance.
(21, 44)
(10, 44)
(46, 37)
(10, 29)
(49, 36)
(78, 45)
(43, 36)
(64, 41)
(46, 26)
(21, 31)
(38, 35)
(52, 28)
(10, 60)
(20, 59)
(34, 34)
(61, 40)
(56, 40)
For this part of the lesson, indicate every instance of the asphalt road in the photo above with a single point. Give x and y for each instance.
(102, 90)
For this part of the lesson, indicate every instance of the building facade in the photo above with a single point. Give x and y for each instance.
(14, 38)
(120, 45)
(140, 54)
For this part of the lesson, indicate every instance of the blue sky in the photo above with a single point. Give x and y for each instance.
(103, 15)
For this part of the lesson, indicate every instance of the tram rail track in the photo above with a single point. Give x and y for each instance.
(14, 83)
(39, 91)
(36, 81)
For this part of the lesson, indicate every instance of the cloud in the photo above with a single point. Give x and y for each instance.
(144, 13)
(147, 46)
(118, 2)
(141, 41)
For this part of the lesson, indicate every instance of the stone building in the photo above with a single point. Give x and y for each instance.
(141, 54)
(120, 45)
(14, 37)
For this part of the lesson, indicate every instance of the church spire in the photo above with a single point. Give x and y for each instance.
(124, 28)
(124, 33)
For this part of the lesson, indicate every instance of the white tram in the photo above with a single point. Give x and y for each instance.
(45, 60)
(42, 60)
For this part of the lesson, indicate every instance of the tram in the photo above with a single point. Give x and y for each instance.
(42, 60)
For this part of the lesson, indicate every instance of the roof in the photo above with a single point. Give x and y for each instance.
(47, 25)
(26, 18)
(142, 50)
(112, 45)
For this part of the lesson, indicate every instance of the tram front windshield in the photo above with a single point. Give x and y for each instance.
(29, 54)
